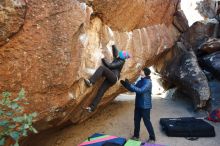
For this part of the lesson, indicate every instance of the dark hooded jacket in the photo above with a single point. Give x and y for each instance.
(117, 64)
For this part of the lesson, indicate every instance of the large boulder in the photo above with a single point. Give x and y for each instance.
(180, 21)
(210, 46)
(179, 66)
(211, 63)
(197, 34)
(43, 57)
(60, 44)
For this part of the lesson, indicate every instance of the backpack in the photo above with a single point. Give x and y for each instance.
(214, 116)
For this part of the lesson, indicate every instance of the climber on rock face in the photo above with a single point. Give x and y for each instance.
(111, 72)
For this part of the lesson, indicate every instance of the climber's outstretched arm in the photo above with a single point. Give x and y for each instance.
(114, 51)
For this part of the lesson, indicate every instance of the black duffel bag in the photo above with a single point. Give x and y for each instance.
(187, 127)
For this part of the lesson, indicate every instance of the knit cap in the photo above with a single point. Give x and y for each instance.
(123, 55)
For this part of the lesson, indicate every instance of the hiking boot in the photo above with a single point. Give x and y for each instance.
(88, 82)
(150, 140)
(89, 109)
(135, 138)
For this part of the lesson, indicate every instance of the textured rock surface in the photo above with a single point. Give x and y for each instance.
(179, 66)
(59, 45)
(211, 63)
(117, 14)
(215, 92)
(42, 58)
(180, 21)
(207, 8)
(12, 15)
(197, 34)
(158, 11)
(210, 46)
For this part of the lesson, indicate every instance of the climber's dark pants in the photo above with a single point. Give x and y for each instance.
(110, 79)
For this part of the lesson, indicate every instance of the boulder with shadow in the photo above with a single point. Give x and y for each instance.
(180, 67)
(180, 21)
(211, 63)
(197, 34)
(210, 46)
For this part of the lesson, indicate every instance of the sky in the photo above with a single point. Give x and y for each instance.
(188, 7)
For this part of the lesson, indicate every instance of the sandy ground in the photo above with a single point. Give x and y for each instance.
(117, 119)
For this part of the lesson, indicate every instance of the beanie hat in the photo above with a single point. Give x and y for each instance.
(123, 55)
(146, 71)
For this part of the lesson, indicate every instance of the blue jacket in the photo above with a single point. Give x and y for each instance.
(143, 89)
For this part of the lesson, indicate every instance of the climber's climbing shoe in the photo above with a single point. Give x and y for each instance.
(88, 109)
(88, 82)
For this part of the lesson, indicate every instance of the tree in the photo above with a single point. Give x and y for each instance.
(14, 122)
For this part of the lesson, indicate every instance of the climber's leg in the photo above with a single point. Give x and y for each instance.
(105, 85)
(101, 71)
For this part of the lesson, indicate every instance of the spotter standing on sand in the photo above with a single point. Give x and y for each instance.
(143, 105)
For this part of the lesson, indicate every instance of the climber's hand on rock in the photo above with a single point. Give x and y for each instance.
(104, 61)
(124, 83)
(127, 81)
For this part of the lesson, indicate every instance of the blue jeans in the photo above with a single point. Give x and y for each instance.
(145, 114)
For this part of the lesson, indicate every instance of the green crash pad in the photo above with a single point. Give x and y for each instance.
(132, 143)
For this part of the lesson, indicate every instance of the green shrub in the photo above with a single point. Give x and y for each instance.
(14, 123)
